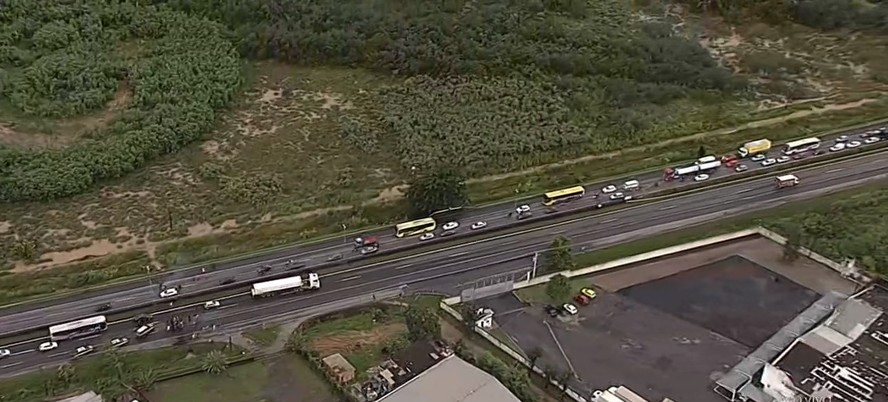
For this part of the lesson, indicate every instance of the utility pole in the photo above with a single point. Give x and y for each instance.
(533, 272)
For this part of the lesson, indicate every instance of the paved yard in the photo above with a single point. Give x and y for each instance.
(616, 341)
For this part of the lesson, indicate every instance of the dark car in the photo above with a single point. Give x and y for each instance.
(103, 307)
(448, 233)
(551, 310)
(524, 215)
(142, 319)
(263, 269)
(227, 281)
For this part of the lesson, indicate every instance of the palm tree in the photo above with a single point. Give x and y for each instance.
(143, 380)
(214, 362)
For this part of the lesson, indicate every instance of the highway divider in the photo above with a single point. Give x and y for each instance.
(526, 224)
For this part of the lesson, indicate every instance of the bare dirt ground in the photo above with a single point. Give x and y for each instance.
(355, 340)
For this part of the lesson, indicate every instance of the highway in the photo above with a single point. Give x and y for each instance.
(445, 269)
(318, 256)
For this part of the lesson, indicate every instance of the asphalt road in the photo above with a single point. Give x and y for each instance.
(448, 269)
(319, 256)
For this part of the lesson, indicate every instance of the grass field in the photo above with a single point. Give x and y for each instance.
(314, 151)
(263, 336)
(284, 378)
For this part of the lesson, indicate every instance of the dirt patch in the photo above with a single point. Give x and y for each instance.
(5, 226)
(344, 342)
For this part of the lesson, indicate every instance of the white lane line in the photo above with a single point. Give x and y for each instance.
(745, 190)
(608, 221)
(58, 354)
(350, 278)
(459, 254)
(227, 306)
(405, 266)
(835, 170)
(23, 352)
(667, 207)
(11, 365)
(749, 197)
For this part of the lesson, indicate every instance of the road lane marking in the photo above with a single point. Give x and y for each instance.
(58, 354)
(668, 207)
(749, 197)
(404, 266)
(745, 190)
(459, 254)
(23, 352)
(834, 170)
(11, 365)
(608, 221)
(350, 278)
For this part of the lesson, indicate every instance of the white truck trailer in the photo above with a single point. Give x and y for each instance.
(286, 285)
(788, 180)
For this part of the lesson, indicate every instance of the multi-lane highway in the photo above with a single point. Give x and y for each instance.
(321, 255)
(444, 268)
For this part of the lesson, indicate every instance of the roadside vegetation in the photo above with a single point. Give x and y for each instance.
(115, 375)
(353, 101)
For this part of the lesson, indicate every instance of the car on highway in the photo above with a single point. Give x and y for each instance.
(853, 144)
(263, 269)
(758, 157)
(448, 233)
(427, 236)
(570, 308)
(842, 138)
(119, 342)
(769, 162)
(551, 310)
(142, 319)
(609, 189)
(450, 226)
(145, 330)
(741, 168)
(701, 177)
(103, 307)
(783, 159)
(47, 346)
(837, 147)
(4, 353)
(169, 292)
(479, 225)
(588, 292)
(872, 140)
(523, 209)
(525, 215)
(83, 350)
(211, 304)
(617, 196)
(227, 281)
(369, 249)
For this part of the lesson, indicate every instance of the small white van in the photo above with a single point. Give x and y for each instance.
(631, 185)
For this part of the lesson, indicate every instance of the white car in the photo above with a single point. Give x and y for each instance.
(450, 226)
(701, 177)
(617, 196)
(211, 304)
(47, 346)
(523, 209)
(783, 159)
(83, 350)
(119, 342)
(837, 147)
(570, 308)
(769, 162)
(871, 140)
(5, 353)
(169, 292)
(842, 138)
(479, 225)
(609, 189)
(853, 144)
(427, 236)
(758, 157)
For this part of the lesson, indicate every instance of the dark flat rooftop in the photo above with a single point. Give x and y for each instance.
(734, 297)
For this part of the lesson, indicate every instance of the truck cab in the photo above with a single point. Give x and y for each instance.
(788, 180)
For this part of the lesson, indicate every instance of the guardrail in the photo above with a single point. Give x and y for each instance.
(714, 183)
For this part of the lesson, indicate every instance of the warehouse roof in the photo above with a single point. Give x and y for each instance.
(452, 380)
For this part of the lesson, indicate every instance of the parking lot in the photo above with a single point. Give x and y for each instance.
(669, 328)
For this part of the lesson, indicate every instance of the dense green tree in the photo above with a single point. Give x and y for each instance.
(422, 322)
(701, 152)
(559, 257)
(558, 288)
(436, 190)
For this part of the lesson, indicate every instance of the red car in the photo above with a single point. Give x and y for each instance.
(582, 299)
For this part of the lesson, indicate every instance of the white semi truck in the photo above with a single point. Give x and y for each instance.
(286, 285)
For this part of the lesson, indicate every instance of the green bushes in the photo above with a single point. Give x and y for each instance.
(62, 59)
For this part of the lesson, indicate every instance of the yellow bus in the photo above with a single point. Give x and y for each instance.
(416, 227)
(568, 194)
